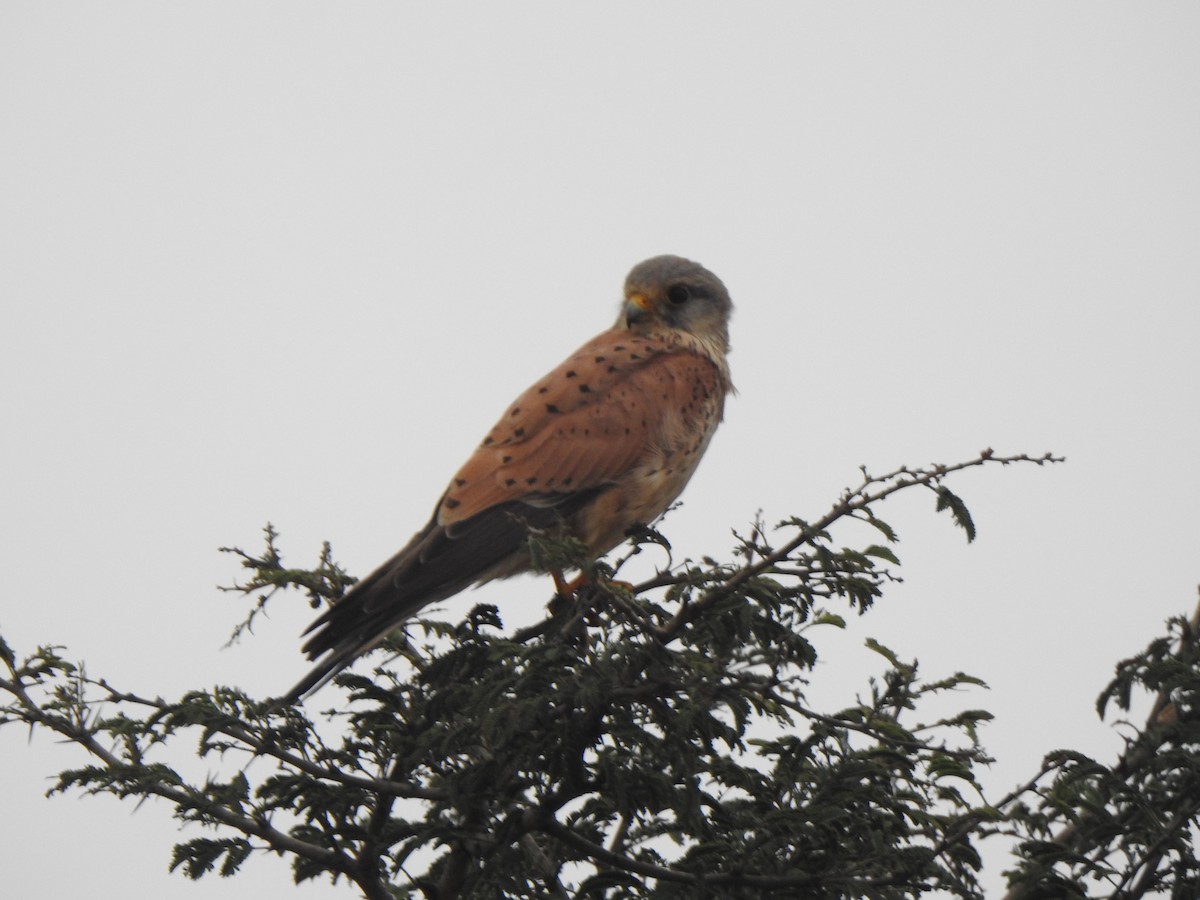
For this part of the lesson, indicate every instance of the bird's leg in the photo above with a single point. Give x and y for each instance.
(565, 603)
(565, 593)
(567, 589)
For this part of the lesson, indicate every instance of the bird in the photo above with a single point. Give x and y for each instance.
(603, 443)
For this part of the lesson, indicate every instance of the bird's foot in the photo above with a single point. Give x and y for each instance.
(567, 589)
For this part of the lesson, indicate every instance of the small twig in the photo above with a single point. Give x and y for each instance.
(262, 748)
(1132, 760)
(618, 836)
(277, 840)
(544, 864)
(851, 502)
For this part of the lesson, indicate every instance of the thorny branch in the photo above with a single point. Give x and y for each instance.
(1129, 765)
(440, 740)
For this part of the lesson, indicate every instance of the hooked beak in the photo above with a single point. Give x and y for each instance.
(636, 306)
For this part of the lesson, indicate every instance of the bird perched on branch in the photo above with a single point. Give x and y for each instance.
(604, 442)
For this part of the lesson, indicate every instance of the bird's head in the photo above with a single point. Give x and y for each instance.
(680, 294)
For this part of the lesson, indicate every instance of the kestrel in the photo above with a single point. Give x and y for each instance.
(604, 442)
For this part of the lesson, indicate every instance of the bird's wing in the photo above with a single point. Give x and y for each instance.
(582, 426)
(557, 448)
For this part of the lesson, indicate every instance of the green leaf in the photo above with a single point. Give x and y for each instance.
(881, 552)
(198, 857)
(883, 527)
(962, 516)
(883, 651)
(827, 618)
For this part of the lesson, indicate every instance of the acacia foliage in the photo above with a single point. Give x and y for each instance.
(646, 740)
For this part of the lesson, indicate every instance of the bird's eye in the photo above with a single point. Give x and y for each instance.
(678, 294)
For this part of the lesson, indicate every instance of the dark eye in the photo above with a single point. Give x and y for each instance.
(678, 294)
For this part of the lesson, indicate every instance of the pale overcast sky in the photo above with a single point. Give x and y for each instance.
(288, 261)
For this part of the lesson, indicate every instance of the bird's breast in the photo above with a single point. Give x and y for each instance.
(646, 489)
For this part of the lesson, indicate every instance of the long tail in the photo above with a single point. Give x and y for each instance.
(437, 563)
